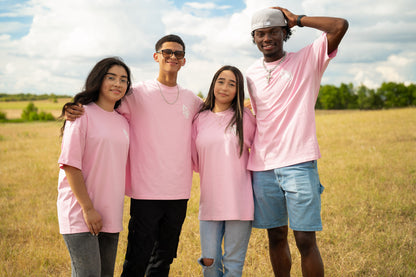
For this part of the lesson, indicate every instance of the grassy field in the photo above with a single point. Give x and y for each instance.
(14, 109)
(368, 169)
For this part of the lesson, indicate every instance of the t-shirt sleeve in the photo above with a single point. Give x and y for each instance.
(249, 123)
(125, 108)
(73, 142)
(194, 152)
(320, 48)
(250, 88)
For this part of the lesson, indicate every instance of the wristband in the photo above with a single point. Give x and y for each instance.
(298, 20)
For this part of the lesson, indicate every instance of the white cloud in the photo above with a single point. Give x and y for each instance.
(206, 5)
(66, 38)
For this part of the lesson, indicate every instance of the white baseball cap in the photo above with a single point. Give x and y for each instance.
(266, 18)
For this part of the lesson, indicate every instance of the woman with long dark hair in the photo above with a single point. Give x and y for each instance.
(223, 131)
(92, 173)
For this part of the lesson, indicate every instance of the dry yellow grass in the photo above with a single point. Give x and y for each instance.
(368, 169)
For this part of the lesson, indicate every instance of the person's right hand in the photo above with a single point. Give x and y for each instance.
(93, 220)
(74, 111)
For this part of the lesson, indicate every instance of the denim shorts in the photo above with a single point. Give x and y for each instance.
(291, 193)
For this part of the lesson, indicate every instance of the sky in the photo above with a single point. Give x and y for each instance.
(49, 46)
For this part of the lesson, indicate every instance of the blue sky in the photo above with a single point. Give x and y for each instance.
(49, 46)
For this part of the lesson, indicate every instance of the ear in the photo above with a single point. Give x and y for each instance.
(156, 57)
(284, 34)
(183, 62)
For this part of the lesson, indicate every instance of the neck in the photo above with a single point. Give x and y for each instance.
(278, 56)
(168, 79)
(220, 107)
(106, 106)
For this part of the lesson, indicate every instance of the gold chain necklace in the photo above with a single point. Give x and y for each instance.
(161, 93)
(269, 71)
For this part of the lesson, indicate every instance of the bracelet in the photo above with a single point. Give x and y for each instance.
(298, 20)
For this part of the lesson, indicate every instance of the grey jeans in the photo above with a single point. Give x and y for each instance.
(92, 255)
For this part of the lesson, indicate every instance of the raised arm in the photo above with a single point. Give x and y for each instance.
(335, 28)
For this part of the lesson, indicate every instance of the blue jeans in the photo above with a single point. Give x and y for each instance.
(92, 255)
(236, 235)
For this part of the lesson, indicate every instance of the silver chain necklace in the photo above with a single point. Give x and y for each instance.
(161, 93)
(269, 71)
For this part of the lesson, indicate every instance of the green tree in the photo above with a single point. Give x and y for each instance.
(30, 113)
(368, 99)
(395, 95)
(329, 97)
(348, 97)
(3, 115)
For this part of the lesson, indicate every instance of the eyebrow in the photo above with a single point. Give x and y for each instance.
(122, 76)
(223, 79)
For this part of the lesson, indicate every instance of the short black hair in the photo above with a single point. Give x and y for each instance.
(169, 38)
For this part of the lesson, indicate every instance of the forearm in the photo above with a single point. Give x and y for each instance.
(335, 28)
(78, 187)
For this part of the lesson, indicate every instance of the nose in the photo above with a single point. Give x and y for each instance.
(267, 36)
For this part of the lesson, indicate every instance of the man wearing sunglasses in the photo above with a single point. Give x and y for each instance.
(159, 176)
(160, 113)
(283, 89)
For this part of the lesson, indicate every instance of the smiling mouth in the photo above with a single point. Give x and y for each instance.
(268, 47)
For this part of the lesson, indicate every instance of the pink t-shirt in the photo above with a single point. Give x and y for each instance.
(97, 143)
(225, 182)
(160, 140)
(284, 108)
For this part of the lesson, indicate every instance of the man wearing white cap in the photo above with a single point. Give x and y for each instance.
(283, 89)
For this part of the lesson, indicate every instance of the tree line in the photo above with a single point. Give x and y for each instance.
(346, 96)
(4, 97)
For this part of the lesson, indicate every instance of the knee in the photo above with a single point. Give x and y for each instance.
(277, 235)
(306, 242)
(207, 261)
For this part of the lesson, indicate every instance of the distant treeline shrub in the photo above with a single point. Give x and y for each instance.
(30, 113)
(2, 116)
(4, 97)
(346, 96)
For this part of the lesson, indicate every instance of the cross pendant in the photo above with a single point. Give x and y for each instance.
(268, 77)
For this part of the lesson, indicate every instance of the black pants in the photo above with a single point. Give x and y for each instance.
(154, 230)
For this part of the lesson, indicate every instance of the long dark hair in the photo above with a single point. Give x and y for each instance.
(237, 104)
(91, 90)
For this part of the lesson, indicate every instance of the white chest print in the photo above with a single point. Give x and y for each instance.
(126, 133)
(185, 111)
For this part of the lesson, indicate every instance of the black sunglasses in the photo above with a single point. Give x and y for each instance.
(167, 53)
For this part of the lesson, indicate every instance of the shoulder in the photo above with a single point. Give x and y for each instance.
(254, 66)
(192, 100)
(248, 114)
(248, 118)
(189, 93)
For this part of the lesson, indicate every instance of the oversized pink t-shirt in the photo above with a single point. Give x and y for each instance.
(160, 140)
(97, 143)
(284, 109)
(225, 182)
